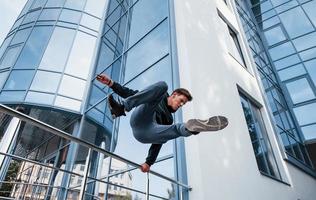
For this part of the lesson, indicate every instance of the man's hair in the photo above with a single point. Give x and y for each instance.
(184, 92)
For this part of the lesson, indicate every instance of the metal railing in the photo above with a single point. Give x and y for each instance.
(91, 147)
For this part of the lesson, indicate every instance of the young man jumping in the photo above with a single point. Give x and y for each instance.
(152, 120)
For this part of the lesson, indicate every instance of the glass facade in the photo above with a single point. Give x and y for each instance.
(268, 60)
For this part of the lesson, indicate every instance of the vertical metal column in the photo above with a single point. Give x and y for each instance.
(85, 176)
(147, 187)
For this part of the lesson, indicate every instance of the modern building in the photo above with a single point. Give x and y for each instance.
(252, 61)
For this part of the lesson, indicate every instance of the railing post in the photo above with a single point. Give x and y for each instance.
(147, 187)
(85, 176)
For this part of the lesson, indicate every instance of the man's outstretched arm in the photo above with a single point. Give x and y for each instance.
(152, 156)
(116, 87)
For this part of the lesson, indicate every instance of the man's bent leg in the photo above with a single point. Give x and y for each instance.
(151, 95)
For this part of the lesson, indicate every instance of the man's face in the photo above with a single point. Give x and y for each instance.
(175, 101)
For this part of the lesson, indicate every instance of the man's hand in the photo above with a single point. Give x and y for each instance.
(105, 79)
(144, 167)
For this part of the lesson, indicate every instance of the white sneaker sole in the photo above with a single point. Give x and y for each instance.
(215, 123)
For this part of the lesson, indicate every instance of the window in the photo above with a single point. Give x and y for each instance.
(10, 56)
(235, 47)
(274, 35)
(300, 90)
(260, 141)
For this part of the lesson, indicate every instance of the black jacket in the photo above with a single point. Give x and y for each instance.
(163, 116)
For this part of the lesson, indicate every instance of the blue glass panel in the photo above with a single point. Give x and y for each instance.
(21, 36)
(274, 35)
(34, 48)
(286, 6)
(285, 62)
(310, 10)
(12, 96)
(145, 15)
(55, 3)
(30, 17)
(308, 54)
(281, 51)
(291, 72)
(19, 80)
(4, 45)
(95, 7)
(278, 2)
(305, 114)
(300, 90)
(67, 103)
(309, 132)
(147, 51)
(311, 68)
(26, 7)
(269, 22)
(90, 22)
(70, 16)
(45, 81)
(38, 97)
(295, 22)
(3, 78)
(38, 3)
(57, 50)
(10, 56)
(49, 14)
(75, 4)
(305, 42)
(80, 58)
(72, 87)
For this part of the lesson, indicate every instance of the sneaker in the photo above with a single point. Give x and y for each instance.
(116, 108)
(212, 124)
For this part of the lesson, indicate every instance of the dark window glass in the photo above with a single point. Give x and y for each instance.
(236, 49)
(259, 138)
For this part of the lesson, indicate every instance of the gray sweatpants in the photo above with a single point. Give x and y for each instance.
(143, 122)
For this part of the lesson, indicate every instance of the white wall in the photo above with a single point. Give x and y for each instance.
(222, 165)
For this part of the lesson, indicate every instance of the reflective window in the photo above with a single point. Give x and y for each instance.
(305, 114)
(38, 97)
(311, 68)
(49, 14)
(4, 46)
(300, 90)
(147, 51)
(308, 54)
(90, 22)
(3, 78)
(67, 103)
(38, 3)
(259, 138)
(274, 35)
(32, 16)
(310, 10)
(269, 22)
(34, 48)
(26, 7)
(72, 87)
(57, 50)
(75, 4)
(19, 80)
(21, 36)
(286, 6)
(70, 16)
(305, 42)
(295, 22)
(45, 81)
(278, 2)
(291, 72)
(145, 15)
(80, 58)
(291, 60)
(55, 3)
(281, 51)
(12, 96)
(95, 7)
(10, 56)
(309, 132)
